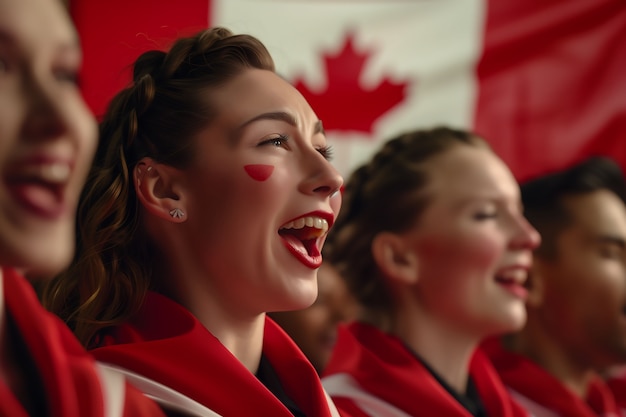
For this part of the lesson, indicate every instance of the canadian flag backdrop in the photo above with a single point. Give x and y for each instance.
(543, 81)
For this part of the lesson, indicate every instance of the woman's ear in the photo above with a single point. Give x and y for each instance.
(395, 258)
(158, 190)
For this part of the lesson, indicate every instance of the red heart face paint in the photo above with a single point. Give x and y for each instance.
(259, 172)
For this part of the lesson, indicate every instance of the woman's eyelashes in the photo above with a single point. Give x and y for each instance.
(486, 214)
(282, 141)
(326, 152)
(62, 73)
(613, 248)
(279, 141)
(67, 75)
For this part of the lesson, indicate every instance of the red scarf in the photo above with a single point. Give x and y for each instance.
(543, 391)
(617, 385)
(166, 344)
(383, 368)
(70, 379)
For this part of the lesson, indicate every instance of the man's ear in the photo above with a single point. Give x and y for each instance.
(158, 190)
(536, 284)
(395, 258)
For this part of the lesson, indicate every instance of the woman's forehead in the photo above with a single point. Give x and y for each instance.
(36, 25)
(468, 172)
(254, 93)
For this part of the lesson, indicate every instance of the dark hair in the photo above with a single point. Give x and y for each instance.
(385, 194)
(543, 196)
(156, 116)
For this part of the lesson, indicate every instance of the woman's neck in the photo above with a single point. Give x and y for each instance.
(446, 350)
(239, 331)
(242, 336)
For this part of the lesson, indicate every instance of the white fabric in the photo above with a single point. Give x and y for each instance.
(331, 406)
(343, 385)
(163, 394)
(534, 409)
(113, 391)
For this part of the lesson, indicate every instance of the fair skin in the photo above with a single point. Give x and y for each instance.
(314, 329)
(577, 305)
(457, 275)
(47, 142)
(48, 136)
(259, 166)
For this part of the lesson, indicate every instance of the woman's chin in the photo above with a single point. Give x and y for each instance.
(512, 322)
(46, 267)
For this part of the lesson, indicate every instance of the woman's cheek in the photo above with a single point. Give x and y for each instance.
(486, 251)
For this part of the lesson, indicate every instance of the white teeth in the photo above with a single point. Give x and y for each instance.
(517, 275)
(55, 172)
(316, 222)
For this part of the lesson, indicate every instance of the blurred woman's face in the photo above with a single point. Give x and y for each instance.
(473, 244)
(47, 135)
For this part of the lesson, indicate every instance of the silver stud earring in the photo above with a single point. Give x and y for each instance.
(140, 174)
(177, 213)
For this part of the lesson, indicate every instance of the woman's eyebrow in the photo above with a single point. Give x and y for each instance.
(237, 132)
(278, 115)
(319, 128)
(67, 46)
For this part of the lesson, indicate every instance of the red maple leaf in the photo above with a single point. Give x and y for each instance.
(345, 104)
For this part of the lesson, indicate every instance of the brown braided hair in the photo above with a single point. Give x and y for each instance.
(156, 116)
(385, 194)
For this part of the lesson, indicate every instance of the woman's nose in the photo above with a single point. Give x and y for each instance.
(527, 236)
(323, 178)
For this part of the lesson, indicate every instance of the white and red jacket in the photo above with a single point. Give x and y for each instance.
(373, 374)
(73, 385)
(542, 394)
(169, 355)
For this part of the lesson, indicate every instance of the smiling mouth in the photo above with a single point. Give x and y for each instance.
(302, 236)
(514, 281)
(40, 187)
(53, 173)
(514, 276)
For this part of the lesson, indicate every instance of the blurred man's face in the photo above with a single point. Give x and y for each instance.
(585, 285)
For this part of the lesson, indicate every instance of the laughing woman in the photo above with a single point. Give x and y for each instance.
(432, 241)
(208, 206)
(47, 141)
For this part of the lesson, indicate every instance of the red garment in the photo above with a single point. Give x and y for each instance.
(617, 385)
(372, 373)
(176, 360)
(544, 395)
(74, 386)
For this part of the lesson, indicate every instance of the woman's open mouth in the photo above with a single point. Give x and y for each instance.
(302, 237)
